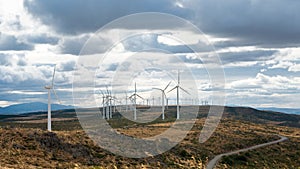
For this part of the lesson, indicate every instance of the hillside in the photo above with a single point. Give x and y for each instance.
(25, 145)
(68, 117)
(283, 110)
(263, 117)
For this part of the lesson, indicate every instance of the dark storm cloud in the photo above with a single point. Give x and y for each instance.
(80, 16)
(258, 22)
(9, 42)
(42, 39)
(72, 45)
(265, 22)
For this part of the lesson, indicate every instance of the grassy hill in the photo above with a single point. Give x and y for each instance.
(24, 143)
(262, 117)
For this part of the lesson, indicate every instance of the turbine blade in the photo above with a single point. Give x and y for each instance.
(165, 95)
(53, 90)
(154, 88)
(168, 85)
(107, 90)
(178, 77)
(172, 89)
(102, 93)
(184, 90)
(53, 76)
(131, 96)
(139, 96)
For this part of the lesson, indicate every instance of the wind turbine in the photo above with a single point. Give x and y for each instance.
(51, 88)
(126, 102)
(153, 101)
(178, 87)
(109, 100)
(163, 96)
(133, 97)
(103, 104)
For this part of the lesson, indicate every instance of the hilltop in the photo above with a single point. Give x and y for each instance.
(237, 113)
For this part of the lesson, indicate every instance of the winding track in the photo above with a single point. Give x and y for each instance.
(211, 164)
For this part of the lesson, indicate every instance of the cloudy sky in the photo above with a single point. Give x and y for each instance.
(256, 40)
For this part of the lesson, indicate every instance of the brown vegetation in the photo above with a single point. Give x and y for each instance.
(24, 145)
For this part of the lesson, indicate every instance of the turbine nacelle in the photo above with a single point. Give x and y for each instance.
(48, 87)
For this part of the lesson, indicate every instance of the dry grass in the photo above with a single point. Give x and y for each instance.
(34, 148)
(45, 120)
(24, 145)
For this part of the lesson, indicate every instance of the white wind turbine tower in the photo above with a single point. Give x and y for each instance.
(163, 96)
(178, 87)
(50, 88)
(133, 97)
(103, 104)
(126, 102)
(112, 105)
(109, 99)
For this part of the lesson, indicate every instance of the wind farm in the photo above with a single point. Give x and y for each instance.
(149, 84)
(147, 112)
(125, 112)
(145, 102)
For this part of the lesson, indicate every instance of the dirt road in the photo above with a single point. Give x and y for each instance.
(211, 164)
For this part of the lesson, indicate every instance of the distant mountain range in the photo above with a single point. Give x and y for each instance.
(42, 107)
(30, 107)
(282, 110)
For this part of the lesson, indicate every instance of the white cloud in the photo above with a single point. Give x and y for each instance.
(294, 68)
(270, 83)
(22, 92)
(241, 64)
(4, 103)
(29, 75)
(23, 77)
(287, 58)
(282, 64)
